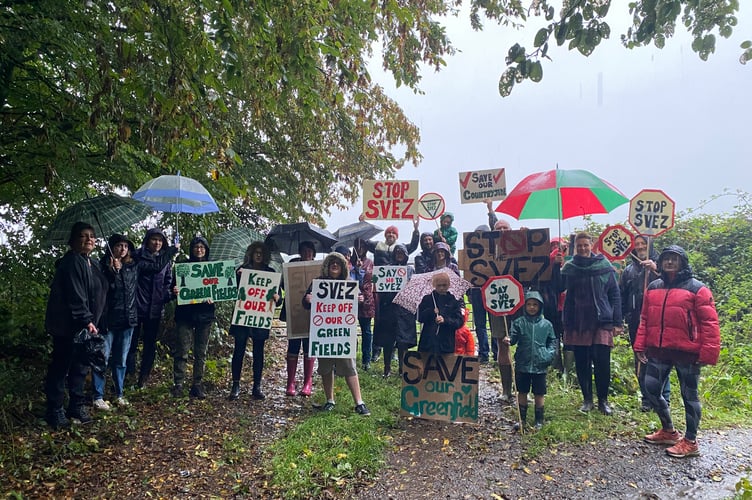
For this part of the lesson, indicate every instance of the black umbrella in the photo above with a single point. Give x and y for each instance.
(286, 238)
(346, 235)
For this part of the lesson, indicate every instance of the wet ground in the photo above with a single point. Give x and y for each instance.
(433, 459)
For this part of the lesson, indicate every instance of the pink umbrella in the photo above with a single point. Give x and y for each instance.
(420, 285)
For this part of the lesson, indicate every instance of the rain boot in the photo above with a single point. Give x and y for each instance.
(256, 392)
(307, 376)
(235, 391)
(523, 418)
(538, 417)
(506, 382)
(292, 366)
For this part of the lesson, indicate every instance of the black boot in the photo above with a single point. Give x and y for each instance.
(57, 419)
(523, 418)
(538, 417)
(256, 392)
(235, 391)
(604, 407)
(177, 391)
(79, 412)
(197, 391)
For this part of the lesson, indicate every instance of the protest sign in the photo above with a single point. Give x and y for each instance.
(523, 254)
(440, 387)
(201, 281)
(651, 212)
(389, 278)
(297, 277)
(255, 305)
(502, 295)
(334, 319)
(431, 206)
(615, 242)
(390, 200)
(481, 185)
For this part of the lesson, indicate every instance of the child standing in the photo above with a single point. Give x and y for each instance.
(536, 345)
(440, 314)
(464, 345)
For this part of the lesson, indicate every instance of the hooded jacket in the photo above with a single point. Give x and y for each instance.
(382, 253)
(424, 260)
(325, 273)
(449, 233)
(449, 263)
(154, 282)
(202, 312)
(679, 322)
(632, 285)
(592, 277)
(535, 339)
(122, 312)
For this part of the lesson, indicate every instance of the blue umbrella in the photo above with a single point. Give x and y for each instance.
(176, 194)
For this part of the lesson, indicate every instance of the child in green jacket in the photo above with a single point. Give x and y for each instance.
(536, 344)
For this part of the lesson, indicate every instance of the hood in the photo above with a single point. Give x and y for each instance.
(483, 228)
(118, 238)
(150, 233)
(686, 270)
(404, 250)
(443, 246)
(329, 258)
(532, 294)
(423, 241)
(448, 214)
(195, 241)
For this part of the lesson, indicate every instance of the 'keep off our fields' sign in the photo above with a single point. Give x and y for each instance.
(255, 305)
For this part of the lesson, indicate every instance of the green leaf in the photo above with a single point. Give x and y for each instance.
(536, 71)
(541, 37)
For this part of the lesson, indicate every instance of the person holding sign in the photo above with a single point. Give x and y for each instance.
(334, 267)
(192, 323)
(424, 260)
(678, 329)
(592, 314)
(641, 271)
(536, 344)
(362, 270)
(382, 250)
(441, 316)
(395, 325)
(257, 257)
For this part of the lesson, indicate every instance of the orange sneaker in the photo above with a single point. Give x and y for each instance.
(684, 448)
(663, 437)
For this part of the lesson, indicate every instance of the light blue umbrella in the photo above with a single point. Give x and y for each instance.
(176, 194)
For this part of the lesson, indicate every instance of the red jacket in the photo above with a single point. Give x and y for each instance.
(464, 344)
(679, 320)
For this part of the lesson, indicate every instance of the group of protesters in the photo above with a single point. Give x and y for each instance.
(119, 301)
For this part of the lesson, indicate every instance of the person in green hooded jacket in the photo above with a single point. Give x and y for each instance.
(536, 341)
(447, 232)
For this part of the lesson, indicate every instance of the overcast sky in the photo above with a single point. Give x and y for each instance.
(665, 120)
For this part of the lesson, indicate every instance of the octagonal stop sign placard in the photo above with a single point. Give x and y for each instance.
(616, 242)
(651, 212)
(502, 295)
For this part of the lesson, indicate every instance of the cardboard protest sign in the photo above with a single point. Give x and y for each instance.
(651, 212)
(297, 277)
(201, 281)
(523, 254)
(502, 295)
(440, 387)
(389, 278)
(431, 206)
(334, 319)
(390, 200)
(481, 185)
(615, 242)
(255, 305)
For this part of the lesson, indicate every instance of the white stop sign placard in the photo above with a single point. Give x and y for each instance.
(651, 212)
(502, 295)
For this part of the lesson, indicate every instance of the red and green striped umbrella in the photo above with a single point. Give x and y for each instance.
(561, 194)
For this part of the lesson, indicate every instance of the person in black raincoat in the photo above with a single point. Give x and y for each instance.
(441, 315)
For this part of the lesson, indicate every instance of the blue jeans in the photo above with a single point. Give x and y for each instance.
(121, 343)
(367, 339)
(479, 320)
(96, 378)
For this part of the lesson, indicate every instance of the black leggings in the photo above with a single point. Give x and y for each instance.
(238, 353)
(589, 360)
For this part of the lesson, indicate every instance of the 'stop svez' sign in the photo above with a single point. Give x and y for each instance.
(390, 200)
(651, 212)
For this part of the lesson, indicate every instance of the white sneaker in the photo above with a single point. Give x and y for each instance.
(122, 402)
(101, 404)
